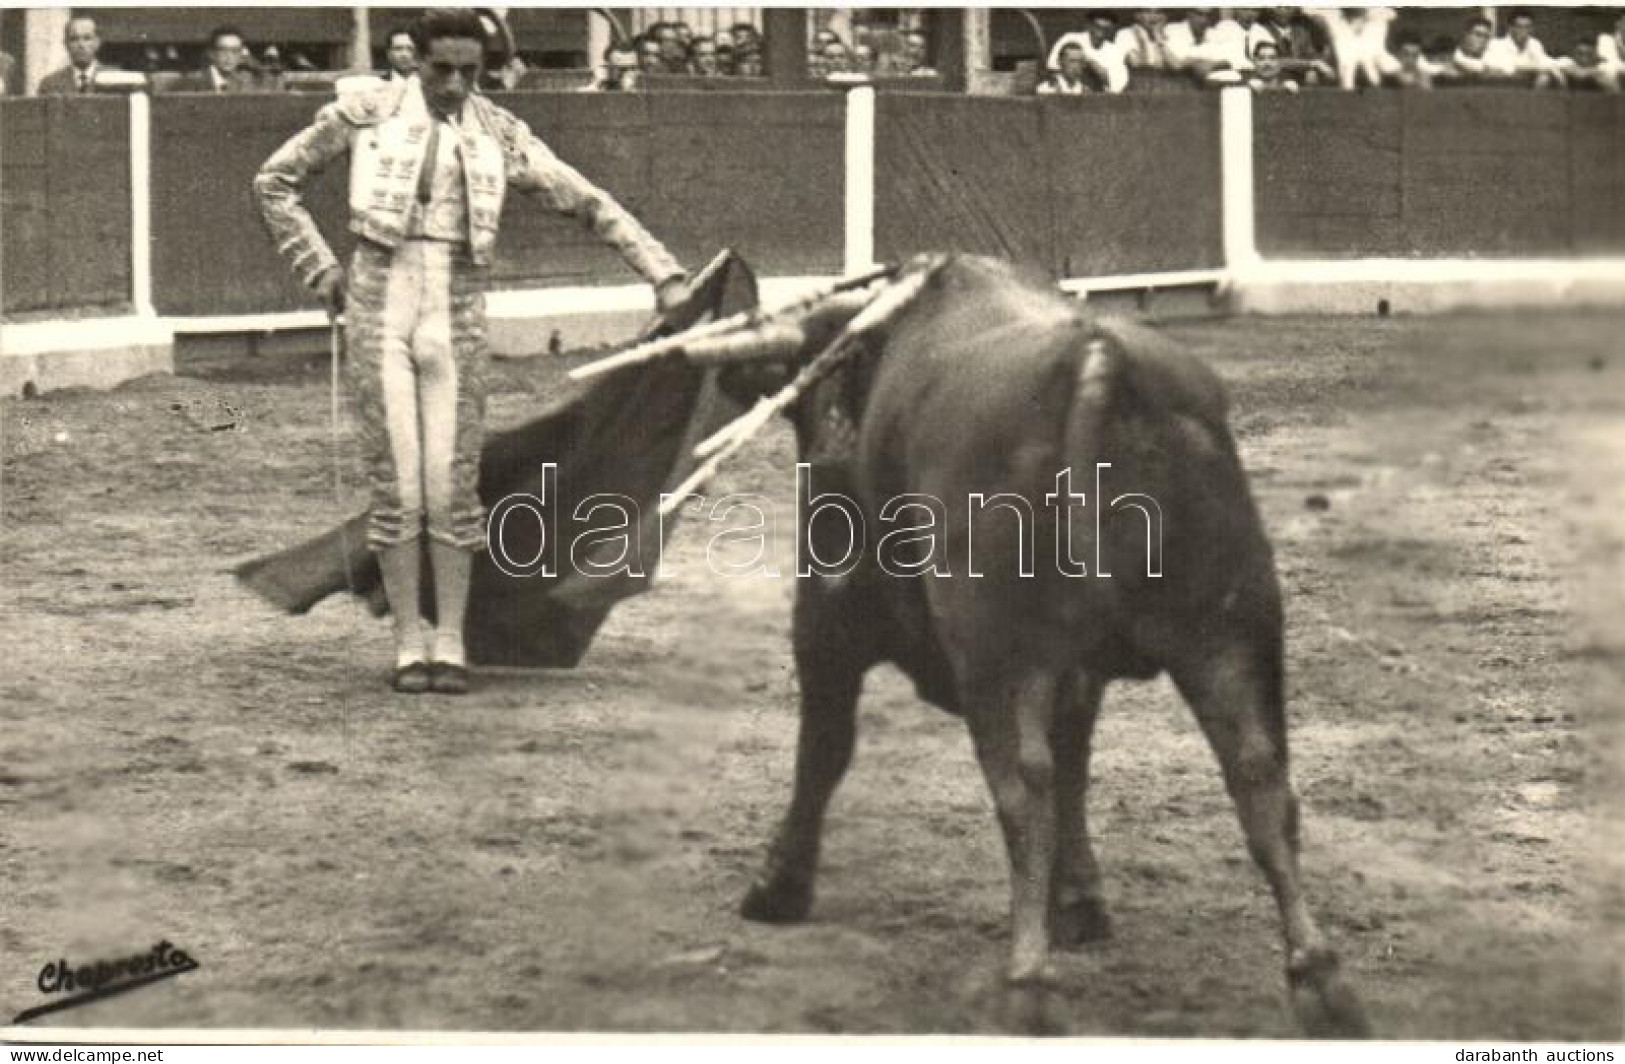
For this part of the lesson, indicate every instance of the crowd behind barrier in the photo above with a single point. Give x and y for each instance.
(1276, 49)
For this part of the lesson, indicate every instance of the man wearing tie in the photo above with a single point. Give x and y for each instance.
(79, 76)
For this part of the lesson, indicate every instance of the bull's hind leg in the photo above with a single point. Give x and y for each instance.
(1010, 724)
(1077, 903)
(1237, 696)
(831, 675)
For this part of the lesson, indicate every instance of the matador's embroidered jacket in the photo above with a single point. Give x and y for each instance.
(385, 131)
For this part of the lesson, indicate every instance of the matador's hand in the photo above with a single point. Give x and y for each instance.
(670, 292)
(331, 287)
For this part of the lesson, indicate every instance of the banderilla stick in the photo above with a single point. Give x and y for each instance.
(730, 438)
(670, 345)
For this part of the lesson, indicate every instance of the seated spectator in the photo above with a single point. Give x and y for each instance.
(228, 71)
(270, 77)
(745, 38)
(916, 52)
(836, 58)
(1411, 69)
(703, 59)
(1467, 62)
(1611, 47)
(1359, 42)
(1101, 53)
(863, 60)
(668, 39)
(79, 76)
(400, 55)
(1274, 25)
(1144, 43)
(1068, 77)
(1583, 69)
(1269, 73)
(748, 64)
(650, 60)
(1520, 55)
(1208, 56)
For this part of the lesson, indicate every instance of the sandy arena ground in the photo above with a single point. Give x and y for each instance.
(566, 850)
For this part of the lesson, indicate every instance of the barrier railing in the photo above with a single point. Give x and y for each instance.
(114, 202)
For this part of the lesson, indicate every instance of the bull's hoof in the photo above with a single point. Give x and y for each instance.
(1073, 925)
(1032, 1008)
(777, 903)
(1326, 1005)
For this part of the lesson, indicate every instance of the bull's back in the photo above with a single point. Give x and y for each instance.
(996, 398)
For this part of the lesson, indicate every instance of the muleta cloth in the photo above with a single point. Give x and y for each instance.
(629, 433)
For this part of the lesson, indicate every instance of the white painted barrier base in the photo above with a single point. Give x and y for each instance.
(1422, 286)
(44, 356)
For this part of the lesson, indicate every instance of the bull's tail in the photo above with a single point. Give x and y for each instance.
(1084, 436)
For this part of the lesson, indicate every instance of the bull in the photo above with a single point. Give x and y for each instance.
(978, 382)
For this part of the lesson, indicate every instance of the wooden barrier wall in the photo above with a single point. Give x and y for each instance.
(758, 172)
(1491, 172)
(1080, 187)
(64, 204)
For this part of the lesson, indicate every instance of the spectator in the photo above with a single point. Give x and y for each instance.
(1269, 73)
(271, 76)
(1273, 25)
(1068, 79)
(1144, 43)
(400, 55)
(1412, 69)
(1520, 54)
(914, 59)
(79, 76)
(226, 71)
(1611, 47)
(1198, 49)
(650, 60)
(745, 38)
(863, 60)
(748, 64)
(837, 59)
(1584, 69)
(1467, 62)
(1101, 53)
(702, 57)
(673, 52)
(1359, 40)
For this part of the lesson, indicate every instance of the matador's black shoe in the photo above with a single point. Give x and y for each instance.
(411, 679)
(448, 679)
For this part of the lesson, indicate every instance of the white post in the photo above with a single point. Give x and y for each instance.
(360, 40)
(860, 179)
(1236, 177)
(141, 203)
(44, 29)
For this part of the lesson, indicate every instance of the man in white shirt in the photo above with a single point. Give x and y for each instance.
(1520, 54)
(1468, 59)
(1144, 43)
(1101, 53)
(1611, 46)
(1359, 42)
(1068, 77)
(1583, 68)
(1212, 56)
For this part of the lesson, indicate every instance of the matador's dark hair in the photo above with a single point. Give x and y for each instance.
(438, 22)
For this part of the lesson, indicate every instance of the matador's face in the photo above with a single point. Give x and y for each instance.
(450, 70)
